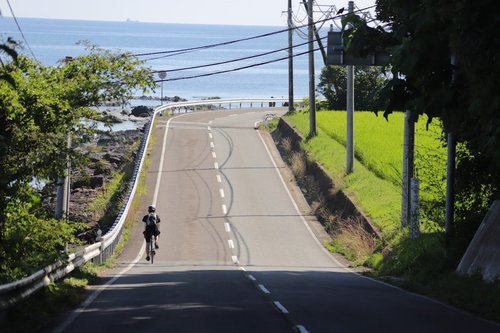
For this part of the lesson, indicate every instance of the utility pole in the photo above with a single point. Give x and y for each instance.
(290, 58)
(408, 169)
(350, 112)
(63, 183)
(316, 33)
(450, 189)
(312, 95)
(162, 75)
(450, 171)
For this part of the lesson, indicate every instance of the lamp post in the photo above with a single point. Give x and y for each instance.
(162, 75)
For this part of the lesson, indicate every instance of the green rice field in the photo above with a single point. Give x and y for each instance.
(375, 184)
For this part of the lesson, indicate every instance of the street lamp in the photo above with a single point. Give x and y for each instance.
(162, 75)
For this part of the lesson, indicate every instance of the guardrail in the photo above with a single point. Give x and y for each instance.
(100, 251)
(228, 103)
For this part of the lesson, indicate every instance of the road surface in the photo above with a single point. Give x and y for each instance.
(238, 253)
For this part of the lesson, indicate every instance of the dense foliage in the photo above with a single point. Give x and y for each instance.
(367, 86)
(444, 63)
(39, 108)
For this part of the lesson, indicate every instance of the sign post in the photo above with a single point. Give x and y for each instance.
(162, 75)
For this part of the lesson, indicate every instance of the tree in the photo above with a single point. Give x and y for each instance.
(367, 85)
(423, 36)
(39, 107)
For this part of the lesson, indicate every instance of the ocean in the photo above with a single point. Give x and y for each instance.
(52, 40)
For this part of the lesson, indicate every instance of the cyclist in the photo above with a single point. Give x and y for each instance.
(151, 228)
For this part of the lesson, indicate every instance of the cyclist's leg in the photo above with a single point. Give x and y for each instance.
(157, 236)
(147, 236)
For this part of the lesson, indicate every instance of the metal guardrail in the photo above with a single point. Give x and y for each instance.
(229, 103)
(102, 250)
(99, 252)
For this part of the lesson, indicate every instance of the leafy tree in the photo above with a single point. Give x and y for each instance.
(367, 86)
(423, 37)
(39, 107)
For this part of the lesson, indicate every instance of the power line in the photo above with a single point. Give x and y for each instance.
(232, 60)
(234, 69)
(20, 30)
(197, 48)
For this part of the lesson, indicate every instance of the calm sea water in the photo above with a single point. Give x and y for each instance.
(52, 40)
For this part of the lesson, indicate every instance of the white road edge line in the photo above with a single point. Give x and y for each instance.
(297, 208)
(98, 291)
(162, 158)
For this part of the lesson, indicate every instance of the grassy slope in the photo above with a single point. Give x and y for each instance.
(375, 183)
(427, 264)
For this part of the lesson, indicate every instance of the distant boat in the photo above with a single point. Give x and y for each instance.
(129, 20)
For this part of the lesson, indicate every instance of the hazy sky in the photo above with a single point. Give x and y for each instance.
(245, 12)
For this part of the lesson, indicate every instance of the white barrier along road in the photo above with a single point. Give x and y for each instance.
(13, 292)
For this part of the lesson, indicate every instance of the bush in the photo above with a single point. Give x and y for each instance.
(29, 242)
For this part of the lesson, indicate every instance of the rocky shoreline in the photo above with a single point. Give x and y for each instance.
(109, 152)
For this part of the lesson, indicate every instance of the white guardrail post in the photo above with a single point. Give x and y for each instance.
(100, 251)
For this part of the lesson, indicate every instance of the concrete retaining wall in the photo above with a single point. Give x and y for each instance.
(483, 254)
(337, 201)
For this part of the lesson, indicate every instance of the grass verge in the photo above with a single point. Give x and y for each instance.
(425, 265)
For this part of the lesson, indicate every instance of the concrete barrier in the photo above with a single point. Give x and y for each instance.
(483, 254)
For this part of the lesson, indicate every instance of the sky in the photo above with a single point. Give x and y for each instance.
(232, 12)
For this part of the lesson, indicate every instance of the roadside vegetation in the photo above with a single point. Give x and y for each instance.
(41, 107)
(447, 80)
(40, 310)
(425, 265)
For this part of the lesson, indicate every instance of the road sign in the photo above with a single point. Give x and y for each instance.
(336, 54)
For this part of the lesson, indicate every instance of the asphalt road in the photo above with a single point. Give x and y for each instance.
(238, 254)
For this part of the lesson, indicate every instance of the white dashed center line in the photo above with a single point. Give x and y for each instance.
(264, 289)
(280, 307)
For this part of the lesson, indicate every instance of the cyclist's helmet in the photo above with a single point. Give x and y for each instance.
(151, 209)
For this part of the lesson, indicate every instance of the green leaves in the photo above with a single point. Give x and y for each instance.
(40, 107)
(368, 84)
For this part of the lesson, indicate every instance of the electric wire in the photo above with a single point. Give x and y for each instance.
(235, 60)
(20, 30)
(233, 69)
(232, 60)
(203, 47)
